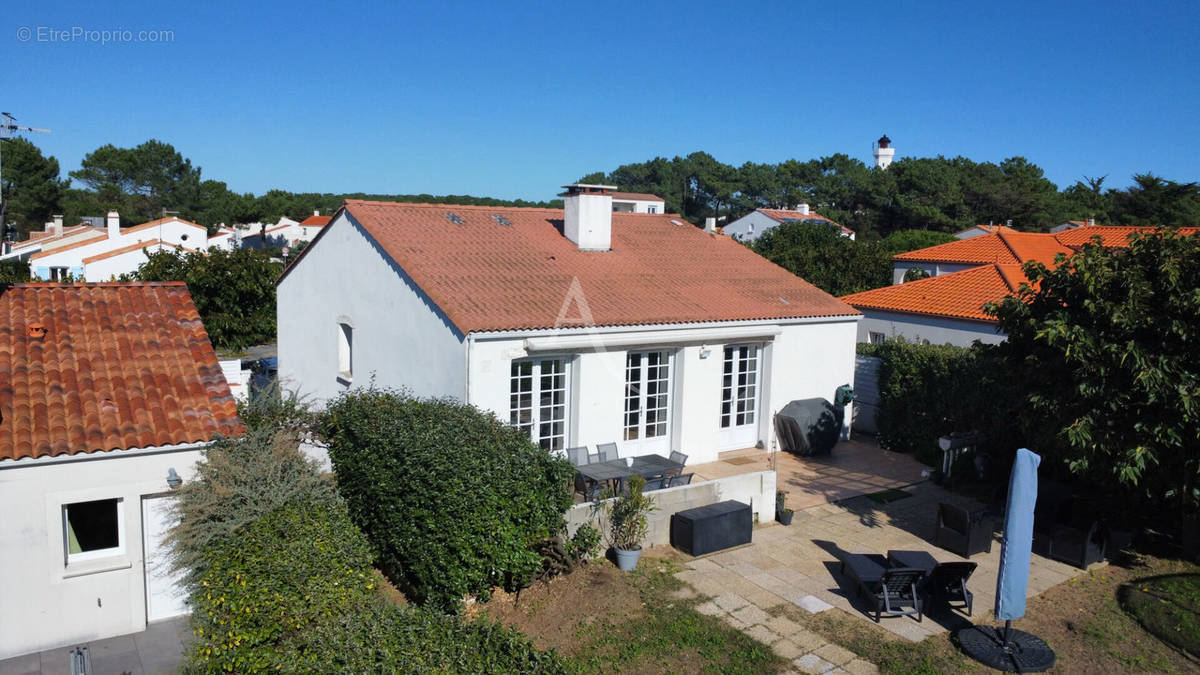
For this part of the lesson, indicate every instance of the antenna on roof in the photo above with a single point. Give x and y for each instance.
(8, 127)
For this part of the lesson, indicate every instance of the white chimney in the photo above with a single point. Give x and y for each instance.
(57, 226)
(710, 225)
(317, 212)
(803, 208)
(114, 225)
(587, 216)
(1091, 222)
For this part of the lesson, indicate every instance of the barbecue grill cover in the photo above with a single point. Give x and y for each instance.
(808, 426)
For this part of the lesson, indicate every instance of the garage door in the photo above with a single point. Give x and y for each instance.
(165, 597)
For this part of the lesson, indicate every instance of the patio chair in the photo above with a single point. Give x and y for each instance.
(890, 590)
(948, 583)
(607, 451)
(578, 456)
(962, 532)
(679, 457)
(683, 479)
(591, 491)
(656, 484)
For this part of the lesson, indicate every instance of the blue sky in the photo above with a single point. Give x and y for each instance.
(512, 100)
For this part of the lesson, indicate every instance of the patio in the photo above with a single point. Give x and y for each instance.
(799, 566)
(854, 468)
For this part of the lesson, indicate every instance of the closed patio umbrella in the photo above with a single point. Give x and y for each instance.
(1007, 649)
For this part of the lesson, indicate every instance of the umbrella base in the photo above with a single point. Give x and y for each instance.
(1023, 653)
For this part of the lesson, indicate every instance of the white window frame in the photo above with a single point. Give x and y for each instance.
(118, 550)
(535, 423)
(652, 209)
(59, 273)
(876, 338)
(728, 419)
(345, 340)
(667, 364)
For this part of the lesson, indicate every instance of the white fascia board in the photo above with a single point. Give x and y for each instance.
(28, 462)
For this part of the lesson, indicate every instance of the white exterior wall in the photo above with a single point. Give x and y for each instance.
(900, 268)
(750, 226)
(638, 206)
(46, 603)
(804, 360)
(937, 330)
(174, 232)
(400, 337)
(109, 269)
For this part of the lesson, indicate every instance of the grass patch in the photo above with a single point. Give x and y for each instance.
(888, 496)
(1168, 607)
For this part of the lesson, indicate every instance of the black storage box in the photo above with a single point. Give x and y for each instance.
(705, 529)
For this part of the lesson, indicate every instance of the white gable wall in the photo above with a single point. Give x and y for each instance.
(45, 603)
(901, 267)
(174, 232)
(399, 337)
(933, 329)
(750, 226)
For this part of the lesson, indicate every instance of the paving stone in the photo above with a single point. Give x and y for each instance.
(783, 625)
(709, 609)
(813, 605)
(751, 615)
(811, 663)
(736, 623)
(835, 654)
(787, 649)
(762, 634)
(703, 565)
(807, 639)
(861, 667)
(730, 602)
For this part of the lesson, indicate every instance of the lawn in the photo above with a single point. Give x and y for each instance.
(638, 622)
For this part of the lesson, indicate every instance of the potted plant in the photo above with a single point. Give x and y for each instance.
(627, 523)
(782, 513)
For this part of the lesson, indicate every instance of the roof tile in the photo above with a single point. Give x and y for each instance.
(120, 366)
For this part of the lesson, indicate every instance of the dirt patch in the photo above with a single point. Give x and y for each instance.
(553, 613)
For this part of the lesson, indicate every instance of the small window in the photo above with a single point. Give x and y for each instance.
(877, 338)
(59, 273)
(93, 529)
(345, 351)
(651, 209)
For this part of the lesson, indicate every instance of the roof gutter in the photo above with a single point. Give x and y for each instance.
(34, 462)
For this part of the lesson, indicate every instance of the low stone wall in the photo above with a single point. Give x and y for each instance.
(756, 489)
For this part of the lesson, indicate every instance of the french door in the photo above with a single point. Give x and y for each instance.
(740, 393)
(647, 422)
(538, 400)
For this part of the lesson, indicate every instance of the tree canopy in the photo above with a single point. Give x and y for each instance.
(32, 189)
(1105, 348)
(820, 255)
(233, 291)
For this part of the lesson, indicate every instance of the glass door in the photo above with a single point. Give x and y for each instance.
(740, 380)
(647, 403)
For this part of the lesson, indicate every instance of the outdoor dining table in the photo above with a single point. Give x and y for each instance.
(647, 466)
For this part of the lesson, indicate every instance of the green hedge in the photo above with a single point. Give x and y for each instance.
(927, 391)
(451, 499)
(276, 579)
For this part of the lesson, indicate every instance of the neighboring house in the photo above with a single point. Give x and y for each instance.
(261, 235)
(976, 231)
(54, 236)
(120, 251)
(108, 392)
(579, 325)
(752, 225)
(1072, 224)
(637, 202)
(966, 275)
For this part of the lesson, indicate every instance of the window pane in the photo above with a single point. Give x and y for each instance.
(92, 526)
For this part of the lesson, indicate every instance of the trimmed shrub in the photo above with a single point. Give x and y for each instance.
(287, 571)
(389, 639)
(451, 499)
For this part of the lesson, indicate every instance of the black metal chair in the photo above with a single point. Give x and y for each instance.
(578, 456)
(677, 456)
(948, 583)
(962, 532)
(607, 451)
(591, 491)
(656, 483)
(894, 591)
(682, 479)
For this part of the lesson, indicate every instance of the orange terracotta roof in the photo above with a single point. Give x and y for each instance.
(119, 366)
(989, 248)
(639, 196)
(316, 221)
(67, 247)
(485, 275)
(787, 215)
(67, 233)
(1110, 235)
(132, 247)
(959, 295)
(1026, 246)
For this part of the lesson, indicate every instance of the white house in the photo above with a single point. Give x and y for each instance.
(109, 393)
(975, 231)
(54, 236)
(581, 325)
(752, 225)
(637, 202)
(120, 251)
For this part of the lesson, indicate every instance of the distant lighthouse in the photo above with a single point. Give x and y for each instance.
(883, 152)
